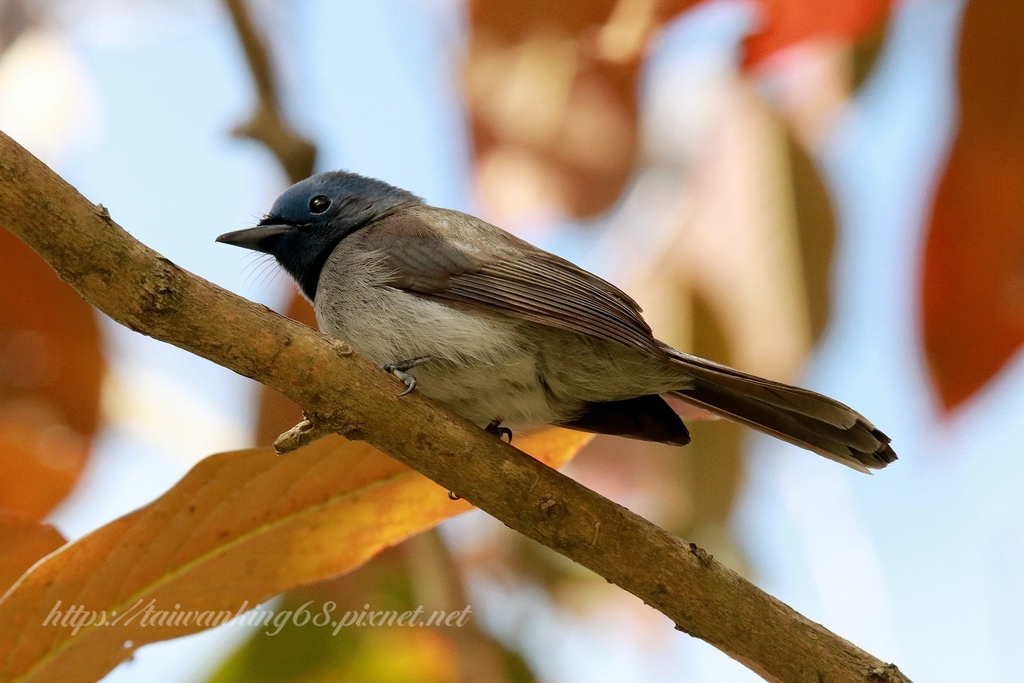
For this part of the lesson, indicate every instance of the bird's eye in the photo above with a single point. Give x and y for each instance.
(319, 204)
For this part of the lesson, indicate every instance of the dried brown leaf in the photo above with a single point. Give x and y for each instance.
(551, 91)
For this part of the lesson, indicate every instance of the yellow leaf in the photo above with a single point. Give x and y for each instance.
(240, 528)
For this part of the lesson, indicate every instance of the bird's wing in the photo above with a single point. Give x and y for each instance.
(454, 257)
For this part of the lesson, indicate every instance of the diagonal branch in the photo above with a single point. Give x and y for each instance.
(345, 392)
(267, 123)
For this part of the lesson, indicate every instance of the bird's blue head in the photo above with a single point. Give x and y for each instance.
(308, 221)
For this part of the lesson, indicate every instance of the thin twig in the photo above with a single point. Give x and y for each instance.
(267, 123)
(144, 291)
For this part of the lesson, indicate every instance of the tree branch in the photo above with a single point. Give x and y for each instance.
(267, 124)
(346, 392)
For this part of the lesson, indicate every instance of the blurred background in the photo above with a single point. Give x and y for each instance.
(830, 194)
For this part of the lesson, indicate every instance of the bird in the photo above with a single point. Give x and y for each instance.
(513, 337)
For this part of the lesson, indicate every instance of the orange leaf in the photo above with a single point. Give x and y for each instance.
(973, 279)
(51, 366)
(240, 528)
(22, 543)
(788, 22)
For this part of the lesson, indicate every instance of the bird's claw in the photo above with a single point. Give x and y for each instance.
(408, 380)
(495, 428)
(399, 371)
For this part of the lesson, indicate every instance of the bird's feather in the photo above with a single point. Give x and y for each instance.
(504, 274)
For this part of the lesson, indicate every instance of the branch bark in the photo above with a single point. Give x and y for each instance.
(344, 392)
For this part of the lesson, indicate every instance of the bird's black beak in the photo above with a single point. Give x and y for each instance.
(260, 238)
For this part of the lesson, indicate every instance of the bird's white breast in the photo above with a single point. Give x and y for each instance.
(482, 366)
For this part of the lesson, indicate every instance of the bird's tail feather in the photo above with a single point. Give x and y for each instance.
(801, 417)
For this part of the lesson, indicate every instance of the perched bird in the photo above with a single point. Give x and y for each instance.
(511, 336)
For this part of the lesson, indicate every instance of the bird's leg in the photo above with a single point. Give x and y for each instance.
(495, 428)
(399, 370)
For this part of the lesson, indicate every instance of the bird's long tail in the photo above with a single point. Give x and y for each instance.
(799, 416)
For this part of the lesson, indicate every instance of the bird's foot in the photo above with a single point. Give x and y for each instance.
(495, 428)
(408, 380)
(399, 370)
